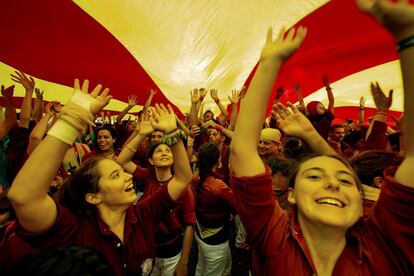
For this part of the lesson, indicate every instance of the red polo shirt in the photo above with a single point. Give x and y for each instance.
(381, 244)
(215, 202)
(168, 235)
(126, 258)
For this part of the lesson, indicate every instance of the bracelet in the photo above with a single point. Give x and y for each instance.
(131, 149)
(405, 43)
(361, 108)
(173, 137)
(217, 101)
(219, 128)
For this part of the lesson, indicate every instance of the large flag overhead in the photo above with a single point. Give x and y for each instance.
(132, 46)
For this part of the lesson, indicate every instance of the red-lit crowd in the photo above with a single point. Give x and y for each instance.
(84, 193)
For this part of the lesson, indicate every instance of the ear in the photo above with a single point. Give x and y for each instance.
(291, 196)
(93, 199)
(378, 181)
(150, 161)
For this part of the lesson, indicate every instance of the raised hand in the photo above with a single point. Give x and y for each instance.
(235, 96)
(397, 17)
(152, 92)
(8, 91)
(362, 102)
(203, 93)
(132, 100)
(291, 120)
(39, 93)
(209, 124)
(214, 94)
(163, 118)
(382, 102)
(283, 46)
(326, 82)
(144, 126)
(27, 82)
(101, 99)
(195, 130)
(195, 98)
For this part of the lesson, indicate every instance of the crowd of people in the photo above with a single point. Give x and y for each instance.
(85, 194)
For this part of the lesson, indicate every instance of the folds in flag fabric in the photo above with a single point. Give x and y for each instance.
(175, 46)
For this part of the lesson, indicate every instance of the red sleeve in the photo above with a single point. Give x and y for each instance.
(335, 146)
(394, 214)
(265, 222)
(377, 139)
(187, 207)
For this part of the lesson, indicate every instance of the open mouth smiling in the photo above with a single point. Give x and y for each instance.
(331, 201)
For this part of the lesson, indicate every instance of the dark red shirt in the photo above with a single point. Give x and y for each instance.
(215, 202)
(381, 244)
(377, 140)
(168, 235)
(342, 148)
(322, 123)
(126, 258)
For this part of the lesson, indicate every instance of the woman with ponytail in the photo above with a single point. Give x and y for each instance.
(214, 206)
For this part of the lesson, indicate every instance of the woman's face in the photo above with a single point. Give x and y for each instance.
(115, 185)
(105, 140)
(326, 194)
(320, 108)
(162, 156)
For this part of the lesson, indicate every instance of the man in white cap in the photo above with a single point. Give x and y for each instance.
(269, 143)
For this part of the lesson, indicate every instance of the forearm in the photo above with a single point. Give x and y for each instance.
(182, 171)
(249, 124)
(183, 127)
(193, 114)
(26, 109)
(379, 116)
(233, 116)
(122, 114)
(223, 109)
(317, 144)
(129, 150)
(227, 132)
(38, 110)
(331, 99)
(361, 116)
(10, 111)
(38, 133)
(148, 102)
(187, 242)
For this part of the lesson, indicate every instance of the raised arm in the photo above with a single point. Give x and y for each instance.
(218, 127)
(36, 136)
(149, 99)
(361, 116)
(398, 18)
(294, 123)
(331, 99)
(26, 108)
(132, 101)
(164, 119)
(195, 100)
(35, 210)
(244, 158)
(214, 96)
(235, 99)
(10, 119)
(38, 106)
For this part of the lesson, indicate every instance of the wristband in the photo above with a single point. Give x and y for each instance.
(82, 99)
(173, 137)
(64, 131)
(217, 101)
(131, 149)
(361, 108)
(405, 43)
(219, 127)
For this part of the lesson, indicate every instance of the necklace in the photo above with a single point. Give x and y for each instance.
(165, 181)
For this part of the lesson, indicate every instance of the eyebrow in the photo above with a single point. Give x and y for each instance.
(321, 170)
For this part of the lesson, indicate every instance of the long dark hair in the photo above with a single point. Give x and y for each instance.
(81, 182)
(208, 156)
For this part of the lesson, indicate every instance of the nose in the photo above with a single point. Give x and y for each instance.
(331, 183)
(127, 176)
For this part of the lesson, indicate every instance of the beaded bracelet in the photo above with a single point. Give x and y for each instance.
(405, 43)
(173, 137)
